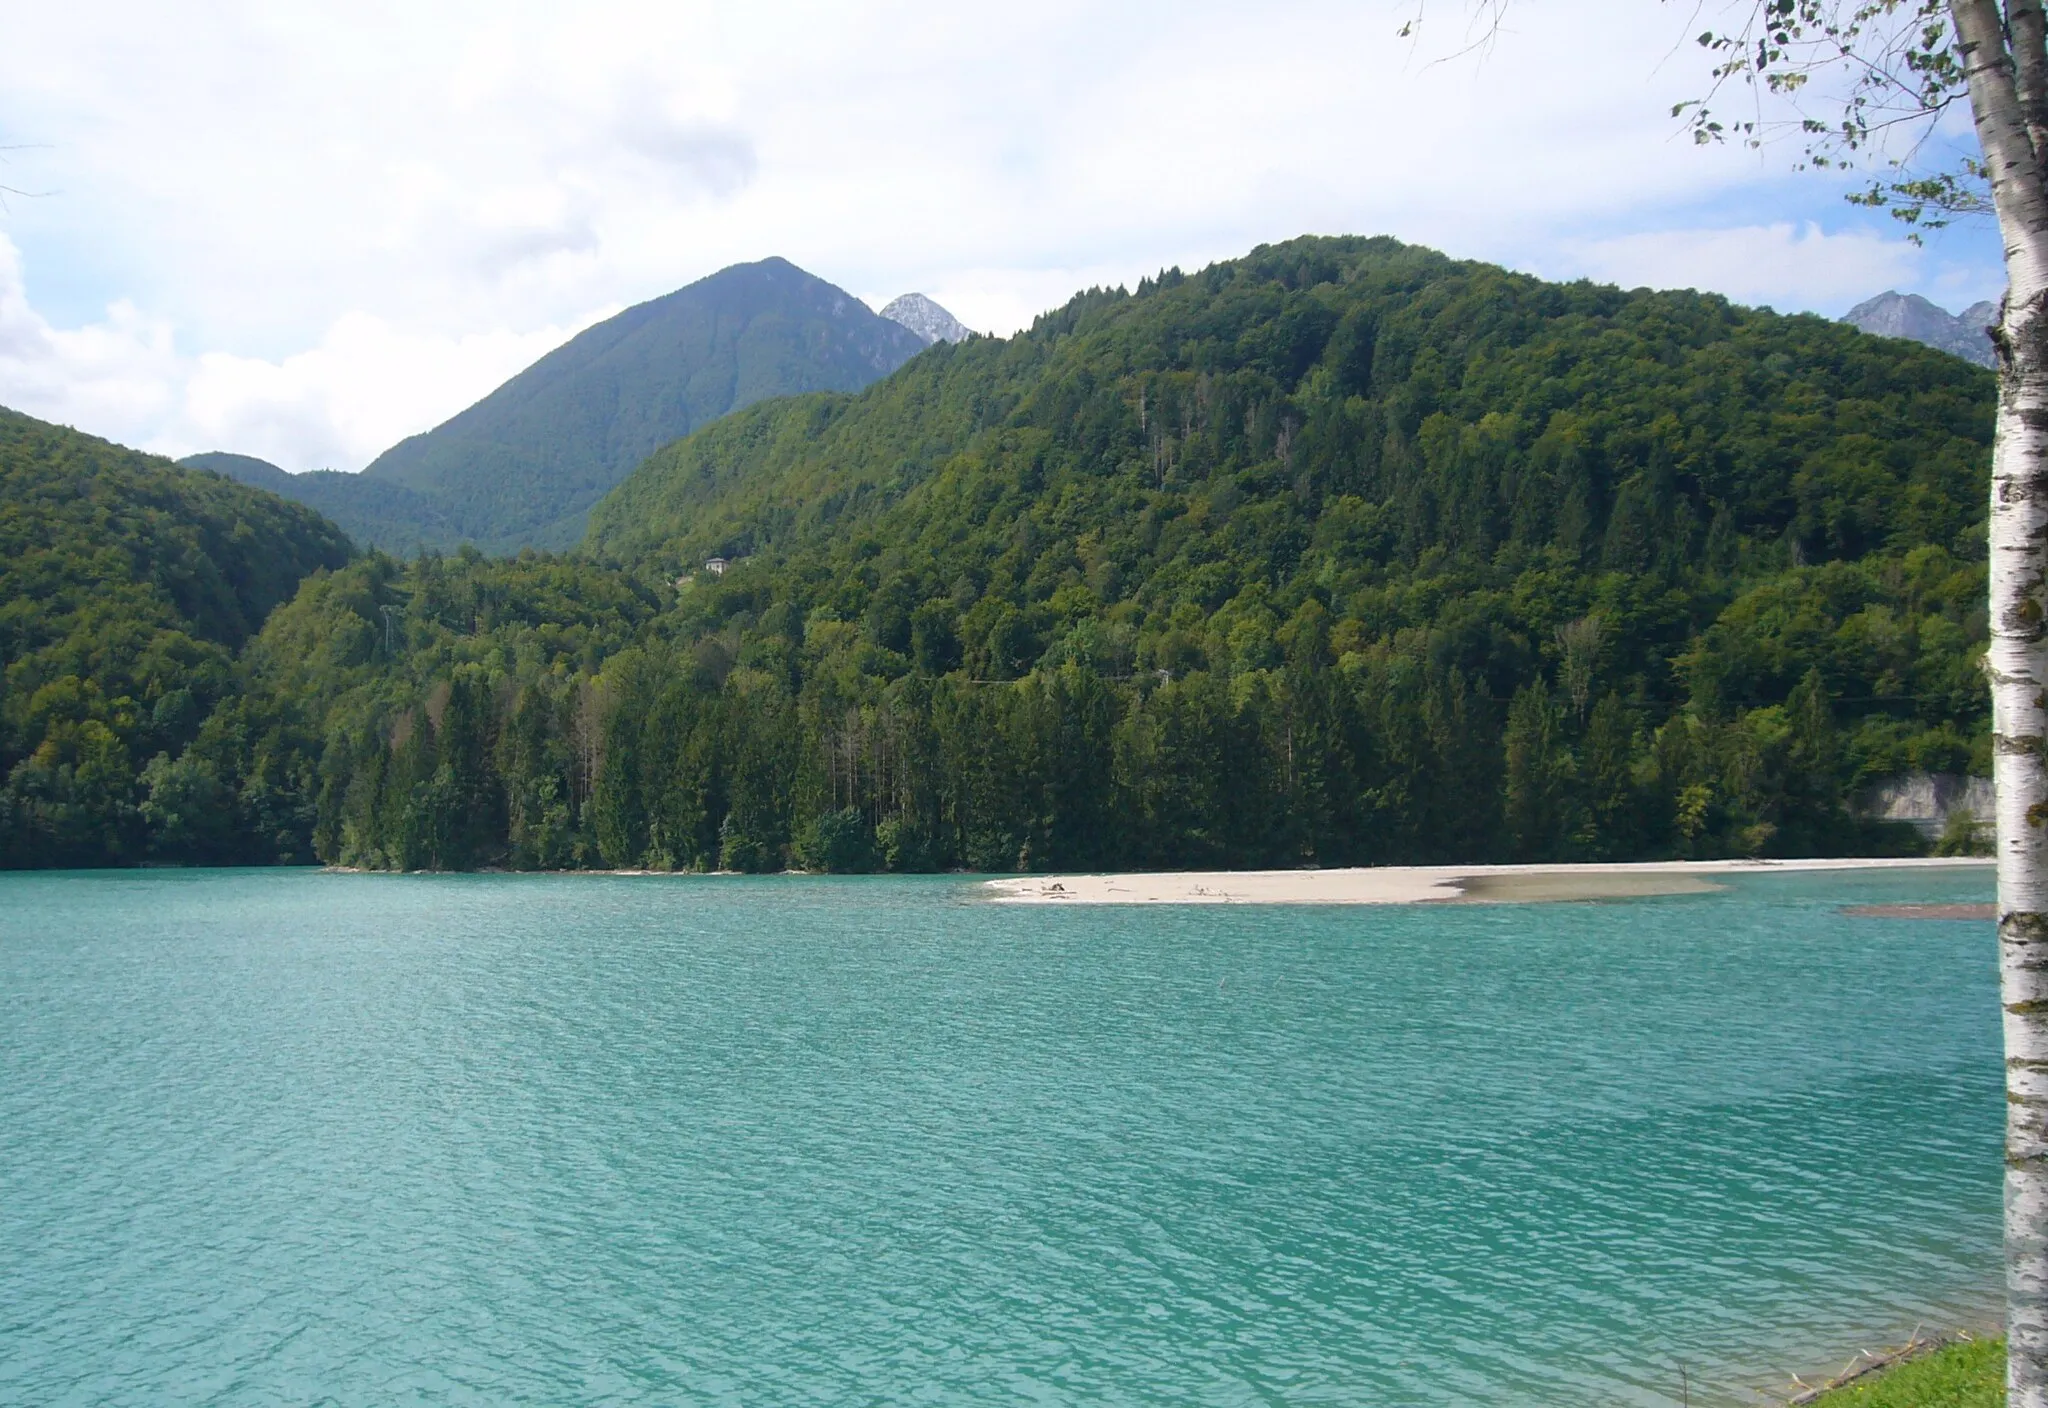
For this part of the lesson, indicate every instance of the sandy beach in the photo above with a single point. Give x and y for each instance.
(1433, 884)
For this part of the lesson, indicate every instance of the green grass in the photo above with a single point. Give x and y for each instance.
(1966, 1375)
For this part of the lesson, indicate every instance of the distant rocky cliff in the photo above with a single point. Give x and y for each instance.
(1928, 800)
(1910, 316)
(926, 318)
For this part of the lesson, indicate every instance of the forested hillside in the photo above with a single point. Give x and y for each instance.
(372, 512)
(126, 586)
(1343, 552)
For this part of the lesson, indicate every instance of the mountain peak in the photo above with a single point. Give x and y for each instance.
(1908, 315)
(926, 318)
(521, 465)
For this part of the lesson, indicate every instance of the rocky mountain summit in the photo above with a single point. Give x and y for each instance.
(926, 318)
(1908, 315)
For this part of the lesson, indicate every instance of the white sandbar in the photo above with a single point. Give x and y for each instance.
(1419, 884)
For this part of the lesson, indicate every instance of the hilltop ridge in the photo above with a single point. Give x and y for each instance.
(372, 512)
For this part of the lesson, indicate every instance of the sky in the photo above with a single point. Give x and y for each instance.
(304, 232)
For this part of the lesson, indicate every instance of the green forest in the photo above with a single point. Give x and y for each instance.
(373, 512)
(1340, 553)
(128, 587)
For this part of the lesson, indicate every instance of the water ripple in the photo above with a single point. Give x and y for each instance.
(289, 1137)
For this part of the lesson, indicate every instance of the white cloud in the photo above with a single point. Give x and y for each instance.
(115, 377)
(365, 385)
(1788, 266)
(305, 231)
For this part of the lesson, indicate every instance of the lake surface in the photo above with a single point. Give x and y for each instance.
(290, 1137)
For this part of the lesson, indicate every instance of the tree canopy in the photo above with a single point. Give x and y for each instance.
(1341, 552)
(127, 585)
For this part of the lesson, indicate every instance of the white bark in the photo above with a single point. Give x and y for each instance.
(2006, 100)
(2019, 684)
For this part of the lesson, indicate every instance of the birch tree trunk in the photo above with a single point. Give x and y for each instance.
(2007, 70)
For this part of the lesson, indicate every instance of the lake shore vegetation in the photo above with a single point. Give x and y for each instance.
(1968, 1373)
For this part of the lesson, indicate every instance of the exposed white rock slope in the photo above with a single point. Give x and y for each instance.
(926, 318)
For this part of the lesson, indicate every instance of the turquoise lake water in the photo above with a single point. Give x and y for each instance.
(290, 1137)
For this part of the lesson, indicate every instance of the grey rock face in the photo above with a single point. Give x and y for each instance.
(1928, 799)
(1910, 316)
(926, 318)
(1979, 315)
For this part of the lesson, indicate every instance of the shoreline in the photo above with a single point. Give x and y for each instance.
(1427, 884)
(1368, 885)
